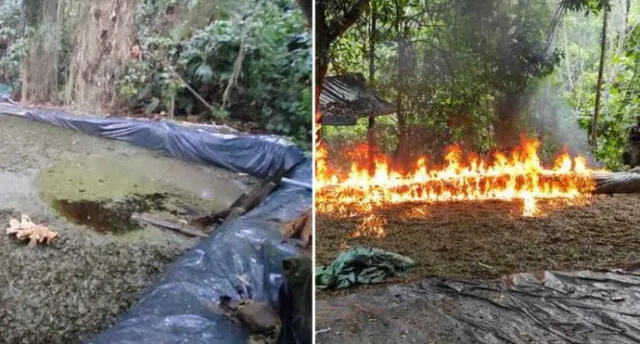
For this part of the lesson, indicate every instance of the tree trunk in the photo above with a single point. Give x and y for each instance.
(323, 51)
(596, 110)
(39, 70)
(326, 33)
(306, 6)
(402, 149)
(508, 111)
(371, 141)
(626, 14)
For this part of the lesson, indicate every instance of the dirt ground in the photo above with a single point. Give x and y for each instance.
(78, 286)
(486, 240)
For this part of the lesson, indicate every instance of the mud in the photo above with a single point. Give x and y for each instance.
(113, 217)
(84, 188)
(486, 240)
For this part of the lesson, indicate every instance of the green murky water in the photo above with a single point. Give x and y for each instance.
(100, 183)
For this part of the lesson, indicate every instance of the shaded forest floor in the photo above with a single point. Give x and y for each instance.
(486, 240)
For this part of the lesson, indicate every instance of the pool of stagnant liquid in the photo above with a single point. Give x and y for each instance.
(86, 188)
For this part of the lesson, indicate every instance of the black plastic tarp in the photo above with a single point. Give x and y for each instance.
(175, 309)
(547, 307)
(257, 155)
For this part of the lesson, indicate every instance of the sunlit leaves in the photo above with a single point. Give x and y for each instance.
(588, 6)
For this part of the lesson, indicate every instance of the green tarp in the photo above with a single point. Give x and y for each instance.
(362, 266)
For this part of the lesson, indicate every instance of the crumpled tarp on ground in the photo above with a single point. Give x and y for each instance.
(175, 309)
(362, 266)
(549, 307)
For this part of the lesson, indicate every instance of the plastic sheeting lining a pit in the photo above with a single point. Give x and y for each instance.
(257, 155)
(175, 309)
(550, 307)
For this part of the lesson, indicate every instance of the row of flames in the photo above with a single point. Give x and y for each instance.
(517, 176)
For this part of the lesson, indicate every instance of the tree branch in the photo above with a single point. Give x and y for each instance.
(339, 25)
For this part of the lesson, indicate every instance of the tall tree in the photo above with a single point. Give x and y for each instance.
(596, 110)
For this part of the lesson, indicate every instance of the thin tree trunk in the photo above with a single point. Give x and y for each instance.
(371, 142)
(566, 61)
(596, 110)
(626, 14)
(402, 121)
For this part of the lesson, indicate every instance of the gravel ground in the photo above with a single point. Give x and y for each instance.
(76, 287)
(486, 240)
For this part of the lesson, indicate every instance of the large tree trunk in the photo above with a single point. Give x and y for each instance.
(102, 49)
(39, 70)
(508, 112)
(596, 110)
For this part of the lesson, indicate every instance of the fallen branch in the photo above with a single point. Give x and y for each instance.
(243, 204)
(237, 70)
(605, 183)
(173, 71)
(178, 227)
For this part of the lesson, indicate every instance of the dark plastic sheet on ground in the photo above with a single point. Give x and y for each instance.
(253, 154)
(174, 310)
(550, 307)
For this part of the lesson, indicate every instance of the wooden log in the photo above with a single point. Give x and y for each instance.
(606, 183)
(617, 183)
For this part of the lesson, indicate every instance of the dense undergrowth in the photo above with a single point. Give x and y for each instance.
(226, 61)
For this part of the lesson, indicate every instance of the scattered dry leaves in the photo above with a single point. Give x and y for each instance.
(299, 228)
(26, 229)
(259, 318)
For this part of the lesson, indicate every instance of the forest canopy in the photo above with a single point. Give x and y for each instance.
(482, 73)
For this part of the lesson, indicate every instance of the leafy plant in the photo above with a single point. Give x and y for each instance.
(273, 86)
(15, 43)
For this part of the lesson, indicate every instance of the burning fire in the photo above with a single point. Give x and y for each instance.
(518, 175)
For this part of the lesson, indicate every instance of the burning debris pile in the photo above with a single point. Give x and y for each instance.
(516, 176)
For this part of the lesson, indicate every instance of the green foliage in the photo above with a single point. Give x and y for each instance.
(461, 60)
(588, 6)
(15, 42)
(621, 91)
(273, 87)
(451, 64)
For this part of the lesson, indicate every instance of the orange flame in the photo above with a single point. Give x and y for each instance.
(519, 175)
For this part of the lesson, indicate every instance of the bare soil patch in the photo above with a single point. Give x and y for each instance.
(486, 240)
